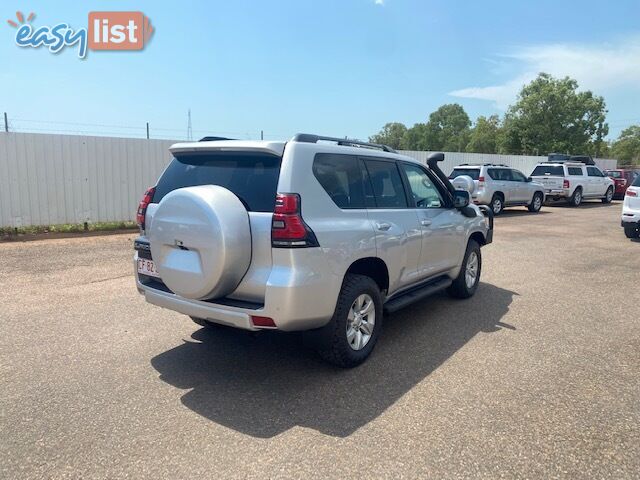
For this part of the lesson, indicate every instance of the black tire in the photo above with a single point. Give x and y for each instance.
(534, 206)
(205, 323)
(631, 230)
(576, 198)
(608, 196)
(497, 204)
(459, 288)
(331, 341)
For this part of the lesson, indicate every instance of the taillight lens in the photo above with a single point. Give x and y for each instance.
(481, 180)
(287, 226)
(565, 184)
(632, 193)
(142, 206)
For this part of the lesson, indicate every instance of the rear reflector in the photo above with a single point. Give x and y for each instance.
(142, 206)
(287, 226)
(263, 322)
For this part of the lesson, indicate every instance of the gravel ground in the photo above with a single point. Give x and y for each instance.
(537, 376)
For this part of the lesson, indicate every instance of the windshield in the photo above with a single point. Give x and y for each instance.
(472, 172)
(253, 177)
(614, 173)
(552, 170)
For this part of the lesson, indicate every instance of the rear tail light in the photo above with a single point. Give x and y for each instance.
(632, 193)
(287, 226)
(142, 206)
(481, 181)
(263, 322)
(565, 184)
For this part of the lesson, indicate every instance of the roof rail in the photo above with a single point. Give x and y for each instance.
(214, 139)
(310, 138)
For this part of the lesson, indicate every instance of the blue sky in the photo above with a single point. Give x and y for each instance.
(335, 67)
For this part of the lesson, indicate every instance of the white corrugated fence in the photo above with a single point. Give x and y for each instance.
(50, 179)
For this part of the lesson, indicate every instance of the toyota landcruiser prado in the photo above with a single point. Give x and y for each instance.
(317, 234)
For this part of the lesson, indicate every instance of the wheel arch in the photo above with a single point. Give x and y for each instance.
(374, 268)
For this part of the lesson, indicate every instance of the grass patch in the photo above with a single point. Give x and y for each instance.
(67, 228)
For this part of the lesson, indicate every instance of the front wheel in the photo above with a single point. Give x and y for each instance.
(466, 283)
(536, 203)
(631, 230)
(349, 337)
(609, 196)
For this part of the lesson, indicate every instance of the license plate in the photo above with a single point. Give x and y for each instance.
(147, 267)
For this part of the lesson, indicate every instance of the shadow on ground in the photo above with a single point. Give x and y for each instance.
(263, 385)
(585, 204)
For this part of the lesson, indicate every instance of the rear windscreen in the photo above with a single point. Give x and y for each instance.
(253, 177)
(474, 173)
(553, 170)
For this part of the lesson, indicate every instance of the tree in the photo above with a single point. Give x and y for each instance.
(416, 138)
(485, 134)
(627, 146)
(391, 135)
(550, 115)
(448, 129)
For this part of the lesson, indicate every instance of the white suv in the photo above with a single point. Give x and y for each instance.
(316, 234)
(573, 182)
(631, 210)
(500, 186)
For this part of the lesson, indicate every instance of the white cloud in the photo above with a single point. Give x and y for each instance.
(598, 68)
(379, 2)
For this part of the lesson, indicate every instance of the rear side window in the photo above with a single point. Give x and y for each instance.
(253, 177)
(636, 182)
(503, 174)
(474, 173)
(553, 170)
(388, 188)
(575, 171)
(342, 178)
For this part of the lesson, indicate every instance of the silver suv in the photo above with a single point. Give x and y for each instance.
(317, 234)
(500, 186)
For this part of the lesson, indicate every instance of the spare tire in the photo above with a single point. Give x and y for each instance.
(464, 182)
(201, 241)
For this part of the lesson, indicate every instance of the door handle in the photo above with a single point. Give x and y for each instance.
(425, 223)
(383, 226)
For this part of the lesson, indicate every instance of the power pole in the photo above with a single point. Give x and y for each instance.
(6, 123)
(189, 130)
(147, 130)
(261, 134)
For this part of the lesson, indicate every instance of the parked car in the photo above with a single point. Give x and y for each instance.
(631, 210)
(622, 177)
(573, 182)
(317, 234)
(500, 186)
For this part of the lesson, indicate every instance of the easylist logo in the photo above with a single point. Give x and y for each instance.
(106, 31)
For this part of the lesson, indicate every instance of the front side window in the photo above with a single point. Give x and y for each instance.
(517, 176)
(593, 172)
(425, 193)
(388, 189)
(342, 178)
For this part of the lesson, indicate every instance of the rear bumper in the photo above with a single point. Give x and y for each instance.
(300, 298)
(630, 216)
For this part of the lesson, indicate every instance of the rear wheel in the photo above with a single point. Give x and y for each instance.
(631, 230)
(348, 339)
(609, 196)
(466, 283)
(576, 198)
(497, 204)
(536, 203)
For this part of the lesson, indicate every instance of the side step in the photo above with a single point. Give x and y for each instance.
(416, 294)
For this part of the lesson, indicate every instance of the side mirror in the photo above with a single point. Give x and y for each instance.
(529, 179)
(461, 199)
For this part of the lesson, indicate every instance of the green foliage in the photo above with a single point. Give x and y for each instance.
(626, 148)
(448, 128)
(391, 135)
(550, 115)
(416, 138)
(485, 135)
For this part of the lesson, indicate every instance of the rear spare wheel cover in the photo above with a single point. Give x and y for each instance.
(201, 241)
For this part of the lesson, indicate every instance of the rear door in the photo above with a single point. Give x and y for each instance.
(398, 232)
(441, 241)
(501, 182)
(523, 192)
